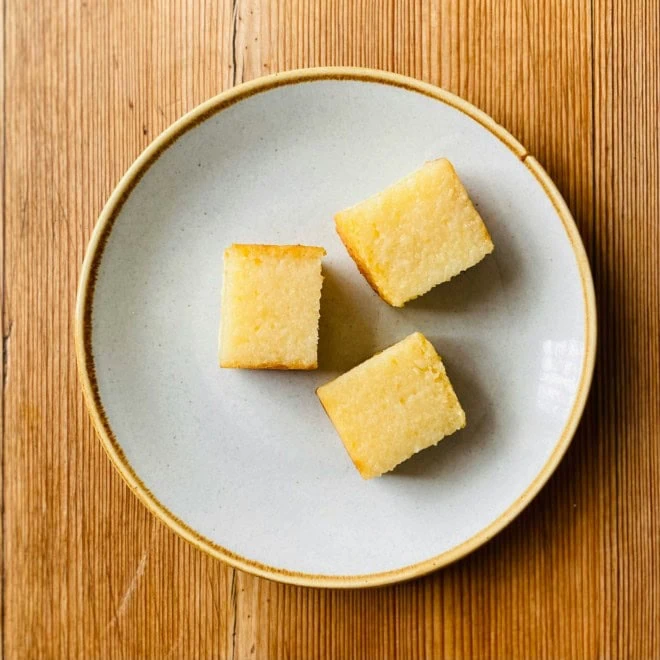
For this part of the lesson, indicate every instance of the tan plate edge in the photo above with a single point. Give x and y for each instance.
(83, 324)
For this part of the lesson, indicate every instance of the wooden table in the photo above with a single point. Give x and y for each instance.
(87, 572)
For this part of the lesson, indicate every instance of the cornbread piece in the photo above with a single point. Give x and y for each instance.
(393, 405)
(417, 233)
(271, 299)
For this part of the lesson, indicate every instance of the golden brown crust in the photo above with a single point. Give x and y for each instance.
(298, 366)
(365, 473)
(362, 267)
(358, 464)
(280, 251)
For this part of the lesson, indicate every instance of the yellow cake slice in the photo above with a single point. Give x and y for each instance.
(393, 405)
(271, 296)
(417, 233)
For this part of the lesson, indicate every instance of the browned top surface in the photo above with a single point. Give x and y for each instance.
(277, 251)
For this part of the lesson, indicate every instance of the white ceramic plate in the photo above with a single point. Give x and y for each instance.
(245, 464)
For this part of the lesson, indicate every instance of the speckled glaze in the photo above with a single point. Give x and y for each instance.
(245, 464)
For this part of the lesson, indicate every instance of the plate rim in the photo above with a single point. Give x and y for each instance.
(85, 299)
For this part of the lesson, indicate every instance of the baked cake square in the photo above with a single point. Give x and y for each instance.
(417, 233)
(271, 298)
(393, 405)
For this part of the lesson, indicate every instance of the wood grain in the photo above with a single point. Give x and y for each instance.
(87, 572)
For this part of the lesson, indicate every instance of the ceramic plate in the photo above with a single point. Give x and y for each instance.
(245, 464)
